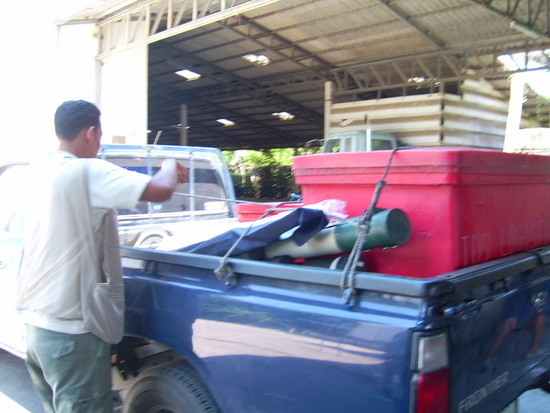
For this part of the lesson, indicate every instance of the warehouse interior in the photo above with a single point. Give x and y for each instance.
(254, 74)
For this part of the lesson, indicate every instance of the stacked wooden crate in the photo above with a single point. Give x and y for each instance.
(476, 117)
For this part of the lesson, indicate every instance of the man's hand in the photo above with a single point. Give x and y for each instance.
(163, 183)
(183, 174)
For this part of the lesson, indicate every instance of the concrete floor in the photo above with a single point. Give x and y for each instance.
(16, 392)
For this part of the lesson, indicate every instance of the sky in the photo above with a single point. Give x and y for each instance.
(538, 80)
(27, 83)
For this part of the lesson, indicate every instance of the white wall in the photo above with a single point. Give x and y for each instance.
(45, 64)
(124, 97)
(118, 85)
(77, 70)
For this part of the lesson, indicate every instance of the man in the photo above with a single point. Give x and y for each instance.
(64, 256)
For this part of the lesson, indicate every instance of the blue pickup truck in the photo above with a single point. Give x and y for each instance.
(278, 338)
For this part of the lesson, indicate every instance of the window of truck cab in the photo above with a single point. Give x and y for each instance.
(204, 195)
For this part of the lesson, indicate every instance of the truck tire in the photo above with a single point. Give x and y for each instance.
(170, 388)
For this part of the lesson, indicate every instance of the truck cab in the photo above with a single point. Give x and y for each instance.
(207, 196)
(358, 141)
(355, 140)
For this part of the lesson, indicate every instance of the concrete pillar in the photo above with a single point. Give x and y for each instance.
(512, 139)
(78, 71)
(328, 106)
(184, 141)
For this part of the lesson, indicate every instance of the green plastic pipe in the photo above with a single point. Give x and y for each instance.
(388, 228)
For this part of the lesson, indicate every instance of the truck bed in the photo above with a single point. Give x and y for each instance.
(279, 338)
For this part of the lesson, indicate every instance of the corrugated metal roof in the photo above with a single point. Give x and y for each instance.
(369, 48)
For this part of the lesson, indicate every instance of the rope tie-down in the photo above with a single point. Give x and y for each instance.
(224, 271)
(347, 280)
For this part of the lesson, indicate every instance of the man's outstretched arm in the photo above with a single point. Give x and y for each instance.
(163, 184)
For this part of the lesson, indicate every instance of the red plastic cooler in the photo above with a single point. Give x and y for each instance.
(466, 206)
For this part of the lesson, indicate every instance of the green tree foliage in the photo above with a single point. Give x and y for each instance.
(264, 174)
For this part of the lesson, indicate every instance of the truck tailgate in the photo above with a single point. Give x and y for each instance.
(499, 332)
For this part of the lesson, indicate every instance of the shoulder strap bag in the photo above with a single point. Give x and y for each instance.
(103, 305)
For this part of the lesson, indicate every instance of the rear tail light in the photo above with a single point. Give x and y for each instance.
(432, 374)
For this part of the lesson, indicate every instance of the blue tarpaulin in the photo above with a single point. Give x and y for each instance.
(300, 225)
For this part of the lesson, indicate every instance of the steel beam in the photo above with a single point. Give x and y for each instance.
(297, 54)
(407, 20)
(160, 19)
(527, 16)
(433, 68)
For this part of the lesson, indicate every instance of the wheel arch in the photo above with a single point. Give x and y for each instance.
(135, 355)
